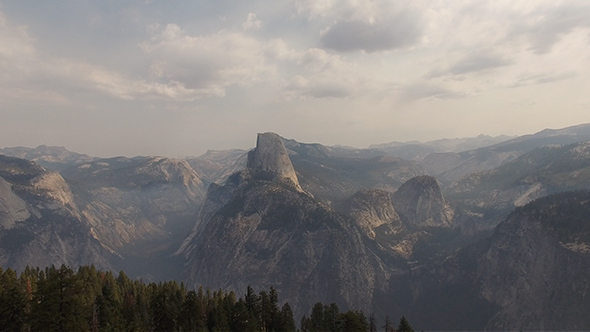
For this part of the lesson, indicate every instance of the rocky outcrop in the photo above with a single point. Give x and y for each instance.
(40, 221)
(420, 203)
(270, 156)
(273, 235)
(262, 231)
(372, 209)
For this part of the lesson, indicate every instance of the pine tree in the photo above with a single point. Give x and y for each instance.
(13, 302)
(317, 317)
(388, 327)
(404, 325)
(58, 303)
(287, 323)
(331, 318)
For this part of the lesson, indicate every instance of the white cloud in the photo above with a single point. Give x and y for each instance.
(251, 22)
(324, 75)
(15, 40)
(207, 64)
(314, 8)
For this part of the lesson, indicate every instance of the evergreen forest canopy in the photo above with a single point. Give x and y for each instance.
(60, 299)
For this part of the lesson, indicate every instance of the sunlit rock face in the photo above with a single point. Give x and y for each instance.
(40, 223)
(270, 156)
(372, 210)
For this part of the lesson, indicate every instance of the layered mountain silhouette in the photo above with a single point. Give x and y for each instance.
(496, 237)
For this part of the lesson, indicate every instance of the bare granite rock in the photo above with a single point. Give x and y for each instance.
(271, 156)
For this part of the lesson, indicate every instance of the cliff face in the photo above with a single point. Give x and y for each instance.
(261, 230)
(41, 224)
(12, 208)
(270, 156)
(536, 266)
(372, 209)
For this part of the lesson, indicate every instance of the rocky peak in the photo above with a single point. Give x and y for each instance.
(271, 156)
(371, 209)
(420, 203)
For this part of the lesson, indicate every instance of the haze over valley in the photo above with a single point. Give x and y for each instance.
(427, 161)
(482, 232)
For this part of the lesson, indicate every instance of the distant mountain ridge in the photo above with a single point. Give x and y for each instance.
(414, 150)
(51, 157)
(494, 235)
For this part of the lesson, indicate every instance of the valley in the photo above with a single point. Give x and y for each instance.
(493, 231)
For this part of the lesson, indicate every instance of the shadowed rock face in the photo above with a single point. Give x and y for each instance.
(269, 234)
(12, 207)
(536, 266)
(261, 230)
(420, 203)
(271, 156)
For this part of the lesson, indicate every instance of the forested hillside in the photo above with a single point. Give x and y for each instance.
(61, 299)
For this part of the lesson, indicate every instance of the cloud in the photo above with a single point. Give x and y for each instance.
(472, 63)
(314, 8)
(30, 78)
(15, 40)
(364, 25)
(207, 64)
(543, 78)
(393, 33)
(324, 75)
(547, 25)
(251, 22)
(300, 87)
(420, 91)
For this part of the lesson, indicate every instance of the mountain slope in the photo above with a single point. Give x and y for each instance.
(532, 273)
(490, 157)
(137, 205)
(56, 158)
(40, 222)
(269, 232)
(537, 265)
(540, 172)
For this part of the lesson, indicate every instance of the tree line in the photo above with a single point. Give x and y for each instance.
(328, 318)
(61, 299)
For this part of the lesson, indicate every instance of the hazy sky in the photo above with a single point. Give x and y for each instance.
(175, 77)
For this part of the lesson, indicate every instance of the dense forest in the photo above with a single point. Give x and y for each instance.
(61, 299)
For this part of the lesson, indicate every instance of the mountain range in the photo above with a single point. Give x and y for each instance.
(483, 233)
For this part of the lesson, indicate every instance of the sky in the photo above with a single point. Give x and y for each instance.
(177, 78)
